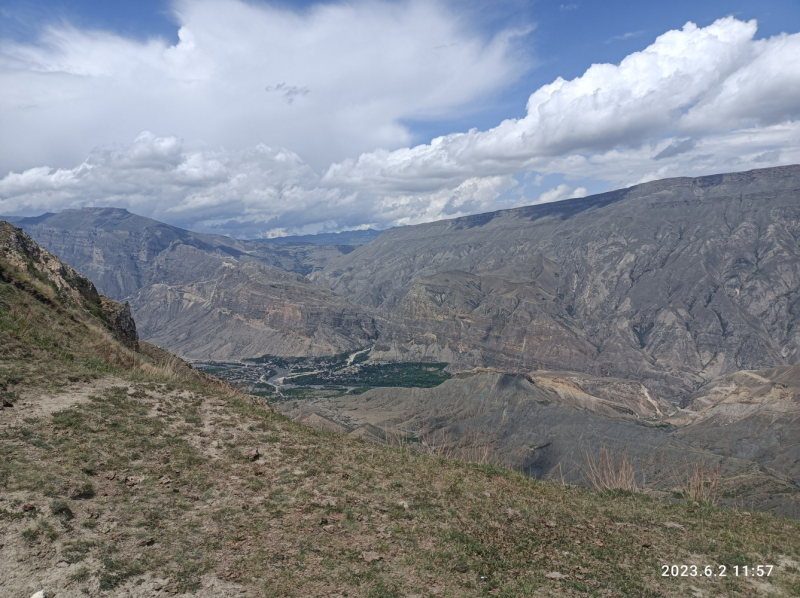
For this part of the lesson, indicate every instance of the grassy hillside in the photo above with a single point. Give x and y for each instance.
(53, 326)
(150, 480)
(146, 484)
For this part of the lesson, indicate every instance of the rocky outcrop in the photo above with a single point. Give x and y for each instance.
(121, 322)
(672, 283)
(21, 253)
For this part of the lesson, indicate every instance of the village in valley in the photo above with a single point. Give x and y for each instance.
(279, 378)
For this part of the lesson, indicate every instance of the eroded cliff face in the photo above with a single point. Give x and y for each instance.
(673, 282)
(470, 320)
(207, 296)
(240, 310)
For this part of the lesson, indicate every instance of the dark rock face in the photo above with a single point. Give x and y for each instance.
(207, 296)
(673, 282)
(121, 322)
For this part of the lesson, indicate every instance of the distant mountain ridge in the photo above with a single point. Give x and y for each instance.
(349, 237)
(186, 289)
(671, 283)
(133, 242)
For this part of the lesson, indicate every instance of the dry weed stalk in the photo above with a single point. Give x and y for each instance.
(609, 472)
(701, 486)
(466, 447)
(395, 438)
(169, 368)
(438, 443)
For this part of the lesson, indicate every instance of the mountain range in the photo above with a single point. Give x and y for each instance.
(672, 283)
(206, 296)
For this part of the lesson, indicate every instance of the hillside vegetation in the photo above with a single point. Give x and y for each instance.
(142, 478)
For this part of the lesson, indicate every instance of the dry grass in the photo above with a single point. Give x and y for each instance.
(701, 485)
(162, 491)
(609, 470)
(468, 447)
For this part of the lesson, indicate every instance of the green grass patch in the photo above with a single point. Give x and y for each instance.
(419, 375)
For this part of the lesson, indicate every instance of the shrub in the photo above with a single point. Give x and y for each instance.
(61, 509)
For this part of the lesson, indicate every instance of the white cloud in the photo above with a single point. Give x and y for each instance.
(328, 82)
(697, 101)
(763, 90)
(156, 176)
(563, 191)
(641, 99)
(624, 36)
(256, 192)
(737, 150)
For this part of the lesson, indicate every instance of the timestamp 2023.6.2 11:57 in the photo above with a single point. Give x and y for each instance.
(716, 570)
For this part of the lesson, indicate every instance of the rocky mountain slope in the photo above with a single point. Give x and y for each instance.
(206, 296)
(123, 252)
(549, 424)
(749, 415)
(246, 309)
(673, 283)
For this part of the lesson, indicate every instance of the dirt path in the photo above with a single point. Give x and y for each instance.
(38, 403)
(30, 566)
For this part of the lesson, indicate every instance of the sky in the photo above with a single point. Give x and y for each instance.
(258, 119)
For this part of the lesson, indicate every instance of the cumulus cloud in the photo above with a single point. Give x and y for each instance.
(329, 82)
(696, 101)
(764, 89)
(156, 176)
(563, 191)
(256, 192)
(650, 94)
